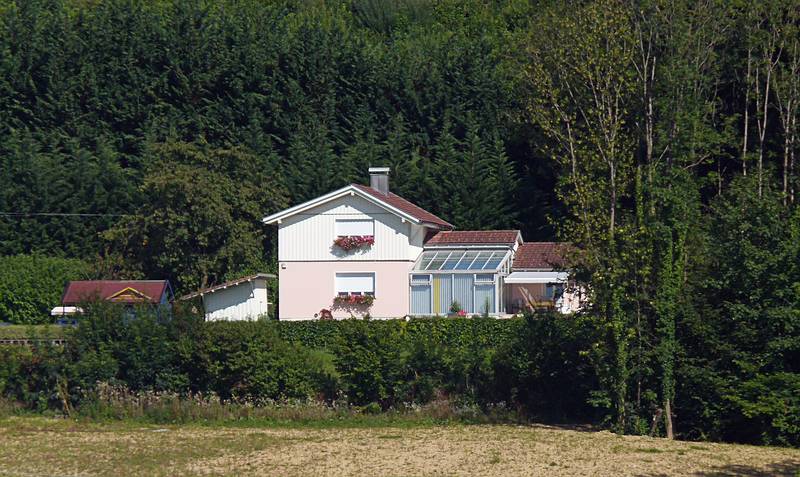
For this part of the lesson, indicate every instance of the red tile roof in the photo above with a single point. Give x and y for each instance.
(540, 255)
(488, 237)
(402, 204)
(119, 291)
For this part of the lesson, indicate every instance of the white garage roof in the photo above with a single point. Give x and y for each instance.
(537, 277)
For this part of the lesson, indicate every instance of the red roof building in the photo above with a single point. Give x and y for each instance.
(475, 237)
(405, 261)
(117, 291)
(540, 256)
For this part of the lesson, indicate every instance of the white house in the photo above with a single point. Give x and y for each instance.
(363, 249)
(242, 299)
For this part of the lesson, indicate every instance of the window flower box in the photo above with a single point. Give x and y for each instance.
(352, 242)
(353, 300)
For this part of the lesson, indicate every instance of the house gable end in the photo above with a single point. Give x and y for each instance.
(351, 191)
(310, 235)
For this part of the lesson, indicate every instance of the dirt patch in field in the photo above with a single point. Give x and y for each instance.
(59, 449)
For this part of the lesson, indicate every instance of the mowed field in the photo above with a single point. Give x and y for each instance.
(49, 447)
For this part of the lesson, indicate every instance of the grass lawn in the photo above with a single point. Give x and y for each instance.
(33, 446)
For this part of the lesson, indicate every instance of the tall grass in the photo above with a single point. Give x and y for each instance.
(117, 402)
(10, 408)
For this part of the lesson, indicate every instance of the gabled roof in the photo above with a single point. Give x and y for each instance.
(540, 255)
(118, 291)
(391, 202)
(229, 284)
(475, 237)
(410, 208)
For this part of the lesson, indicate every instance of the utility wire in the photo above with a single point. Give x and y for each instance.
(56, 214)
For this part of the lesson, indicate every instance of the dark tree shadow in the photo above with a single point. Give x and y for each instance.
(789, 468)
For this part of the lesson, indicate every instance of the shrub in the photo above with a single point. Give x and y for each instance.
(249, 360)
(543, 368)
(140, 351)
(31, 376)
(770, 404)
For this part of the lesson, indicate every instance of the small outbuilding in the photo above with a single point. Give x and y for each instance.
(129, 293)
(242, 299)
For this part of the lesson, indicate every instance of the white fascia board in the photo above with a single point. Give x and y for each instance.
(271, 219)
(537, 277)
(462, 246)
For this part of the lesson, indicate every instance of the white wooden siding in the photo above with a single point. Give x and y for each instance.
(245, 301)
(309, 236)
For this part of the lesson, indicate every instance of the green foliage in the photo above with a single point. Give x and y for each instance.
(543, 359)
(659, 137)
(31, 376)
(200, 220)
(250, 362)
(110, 345)
(31, 285)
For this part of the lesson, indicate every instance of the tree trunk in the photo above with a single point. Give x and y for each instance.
(668, 419)
(763, 107)
(656, 419)
(746, 109)
(786, 170)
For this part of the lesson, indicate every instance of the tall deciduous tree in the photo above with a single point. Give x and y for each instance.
(199, 221)
(583, 81)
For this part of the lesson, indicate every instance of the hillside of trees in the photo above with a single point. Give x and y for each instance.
(660, 137)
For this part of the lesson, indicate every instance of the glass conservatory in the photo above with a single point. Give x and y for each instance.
(471, 276)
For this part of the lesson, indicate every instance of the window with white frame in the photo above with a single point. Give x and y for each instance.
(355, 227)
(355, 284)
(484, 278)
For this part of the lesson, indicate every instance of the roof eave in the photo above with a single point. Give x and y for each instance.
(225, 285)
(469, 245)
(352, 190)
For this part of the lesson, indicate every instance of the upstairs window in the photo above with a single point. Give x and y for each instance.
(355, 228)
(355, 284)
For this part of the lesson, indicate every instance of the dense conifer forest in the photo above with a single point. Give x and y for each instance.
(147, 139)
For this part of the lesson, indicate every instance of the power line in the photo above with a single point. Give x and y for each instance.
(56, 214)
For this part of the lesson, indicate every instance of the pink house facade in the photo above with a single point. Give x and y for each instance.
(365, 250)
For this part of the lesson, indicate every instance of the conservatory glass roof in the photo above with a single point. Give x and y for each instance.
(461, 260)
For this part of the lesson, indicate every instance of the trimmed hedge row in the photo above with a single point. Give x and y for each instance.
(445, 331)
(532, 365)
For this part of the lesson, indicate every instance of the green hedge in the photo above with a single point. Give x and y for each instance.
(379, 364)
(30, 286)
(538, 366)
(446, 331)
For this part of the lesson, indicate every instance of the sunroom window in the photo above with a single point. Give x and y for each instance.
(466, 260)
(461, 260)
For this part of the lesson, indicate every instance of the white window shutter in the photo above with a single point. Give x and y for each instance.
(355, 227)
(355, 282)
